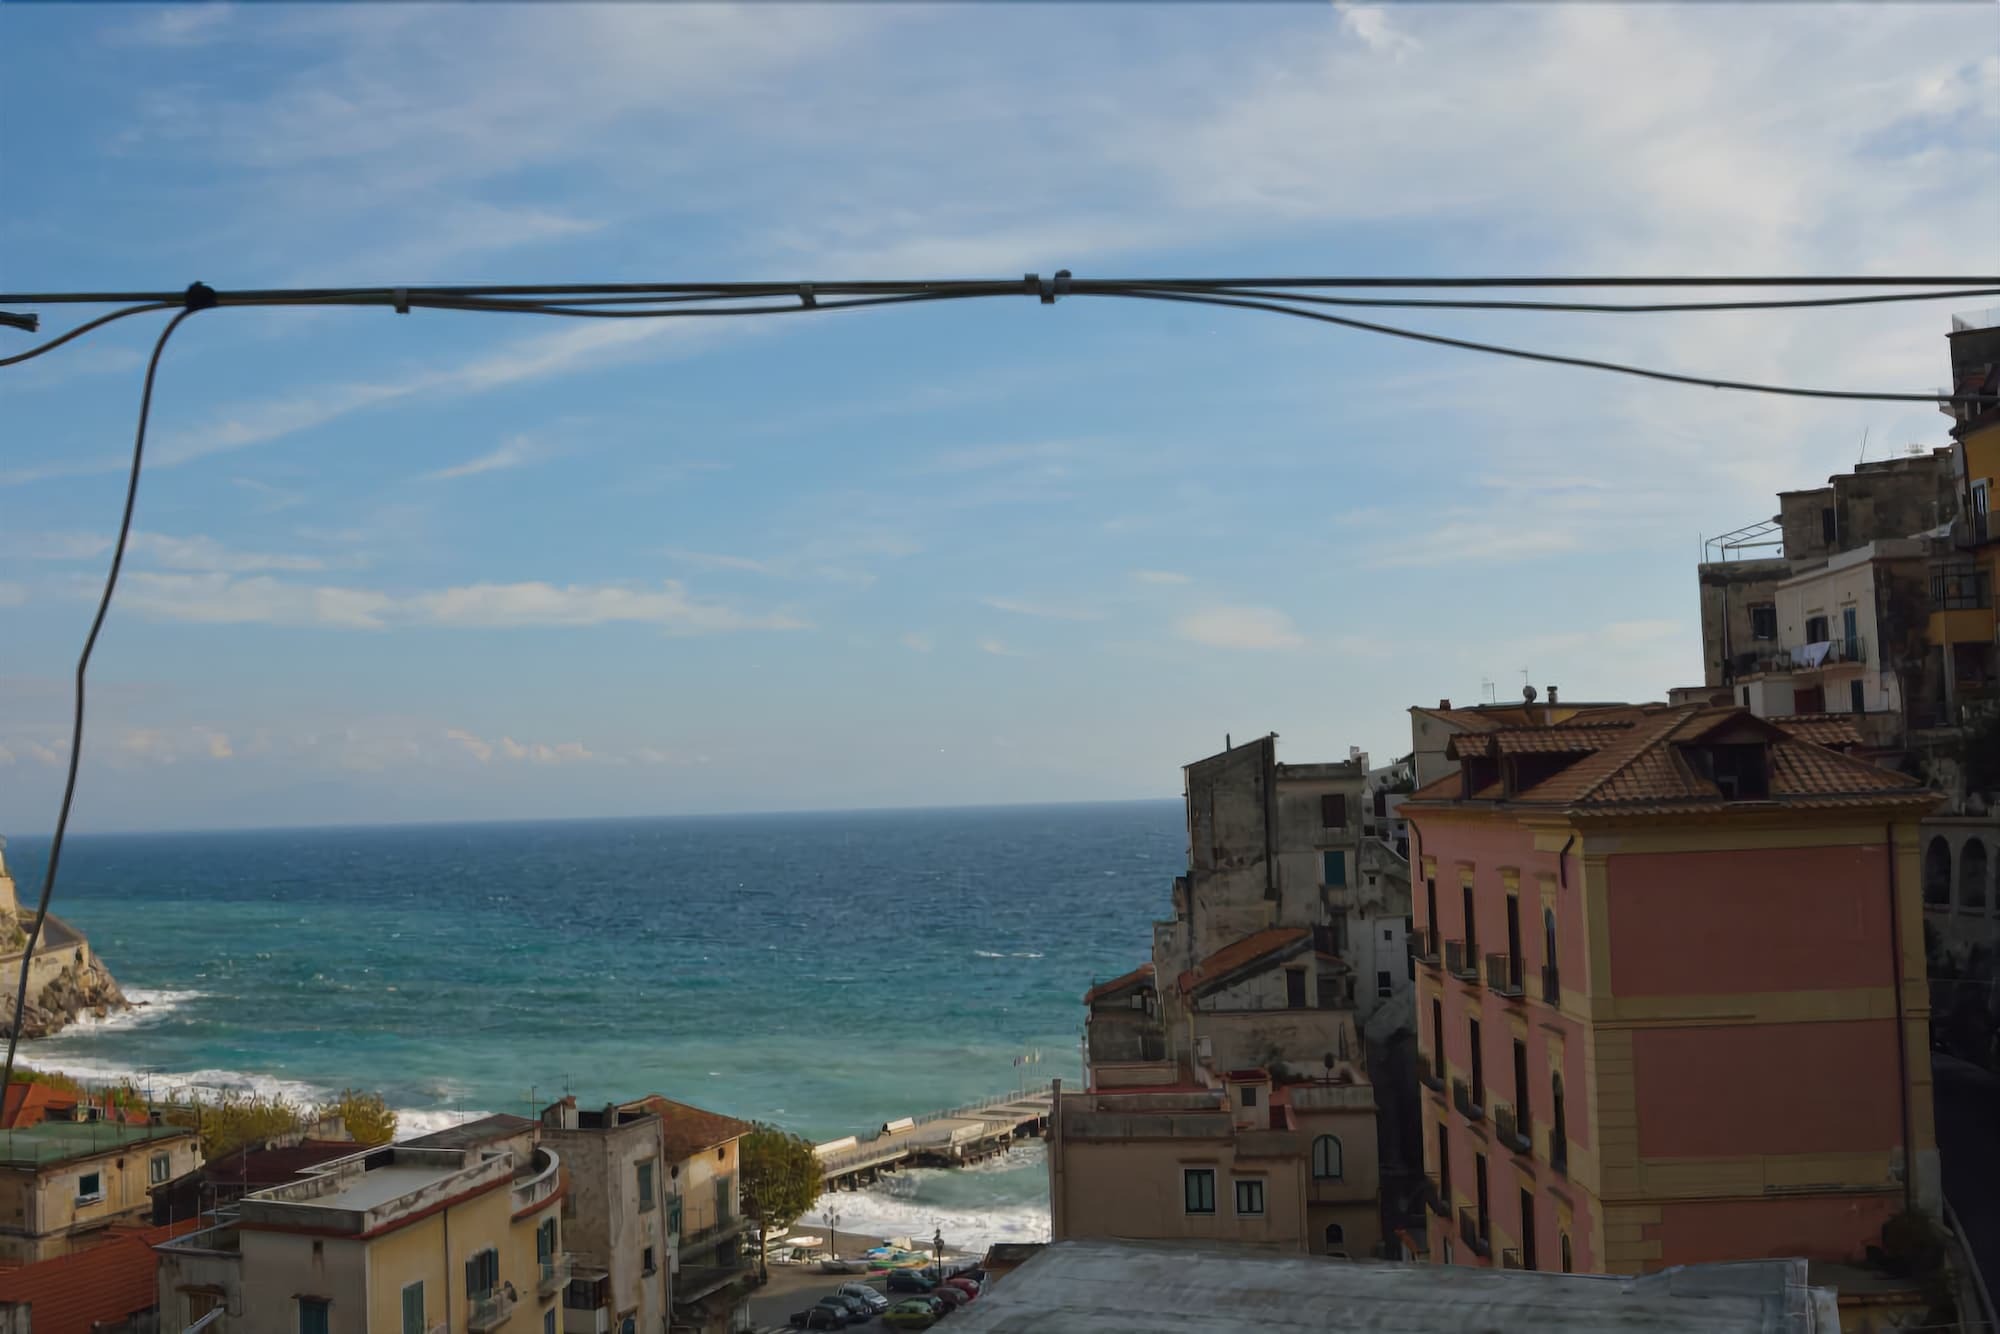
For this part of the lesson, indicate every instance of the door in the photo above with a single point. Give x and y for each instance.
(1851, 633)
(1857, 698)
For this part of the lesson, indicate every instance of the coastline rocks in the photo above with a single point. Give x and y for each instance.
(78, 989)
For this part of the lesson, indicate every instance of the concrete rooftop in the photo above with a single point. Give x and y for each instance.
(1131, 1287)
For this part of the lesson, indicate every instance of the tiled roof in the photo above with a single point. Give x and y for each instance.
(686, 1131)
(31, 1104)
(1143, 973)
(274, 1167)
(1640, 766)
(1822, 729)
(1250, 949)
(106, 1284)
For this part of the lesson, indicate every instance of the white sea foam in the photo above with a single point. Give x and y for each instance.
(148, 1007)
(988, 954)
(1001, 1199)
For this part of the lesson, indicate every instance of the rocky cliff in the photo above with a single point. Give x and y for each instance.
(67, 980)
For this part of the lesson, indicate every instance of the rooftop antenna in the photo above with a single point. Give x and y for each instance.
(1864, 445)
(1487, 691)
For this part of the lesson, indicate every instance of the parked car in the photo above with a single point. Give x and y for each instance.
(858, 1311)
(945, 1292)
(909, 1280)
(910, 1315)
(819, 1317)
(875, 1301)
(964, 1285)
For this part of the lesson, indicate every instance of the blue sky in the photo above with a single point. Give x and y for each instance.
(449, 566)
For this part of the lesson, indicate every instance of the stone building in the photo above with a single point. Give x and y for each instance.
(64, 1184)
(66, 979)
(616, 1217)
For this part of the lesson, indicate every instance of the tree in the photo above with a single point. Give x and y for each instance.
(780, 1179)
(232, 1120)
(367, 1117)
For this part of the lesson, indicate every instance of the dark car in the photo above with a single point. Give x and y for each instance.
(819, 1317)
(909, 1280)
(952, 1297)
(858, 1310)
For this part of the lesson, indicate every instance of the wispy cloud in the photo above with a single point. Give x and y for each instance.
(999, 649)
(517, 452)
(710, 560)
(222, 599)
(1160, 577)
(917, 641)
(1479, 542)
(1048, 611)
(273, 498)
(1239, 627)
(165, 550)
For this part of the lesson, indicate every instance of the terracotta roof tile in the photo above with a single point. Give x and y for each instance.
(686, 1131)
(1143, 973)
(106, 1284)
(1822, 729)
(1236, 954)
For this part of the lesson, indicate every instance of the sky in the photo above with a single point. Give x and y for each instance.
(450, 566)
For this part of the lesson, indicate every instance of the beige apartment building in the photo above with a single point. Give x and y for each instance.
(713, 1268)
(392, 1240)
(64, 1182)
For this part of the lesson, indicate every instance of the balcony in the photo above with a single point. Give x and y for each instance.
(1503, 975)
(1559, 1154)
(1430, 1073)
(1463, 1097)
(1433, 1196)
(1552, 991)
(1461, 960)
(710, 1235)
(1960, 588)
(555, 1274)
(1510, 1259)
(1472, 1231)
(1424, 944)
(491, 1311)
(694, 1282)
(540, 1186)
(1514, 1135)
(1786, 659)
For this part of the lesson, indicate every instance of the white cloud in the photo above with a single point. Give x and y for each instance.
(999, 649)
(709, 560)
(221, 599)
(217, 743)
(1239, 627)
(1371, 24)
(193, 552)
(1044, 610)
(6, 757)
(477, 748)
(917, 641)
(536, 752)
(1161, 577)
(517, 452)
(54, 754)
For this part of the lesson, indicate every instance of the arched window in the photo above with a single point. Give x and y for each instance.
(1972, 876)
(1558, 1126)
(1565, 1250)
(1336, 1238)
(1326, 1158)
(1937, 872)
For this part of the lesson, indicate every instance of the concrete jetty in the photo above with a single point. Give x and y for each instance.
(939, 1139)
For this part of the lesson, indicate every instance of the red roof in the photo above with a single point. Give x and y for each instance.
(29, 1104)
(686, 1130)
(106, 1284)
(1237, 954)
(1143, 973)
(257, 1168)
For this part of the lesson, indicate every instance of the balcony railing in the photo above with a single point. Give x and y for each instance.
(1510, 1258)
(1511, 1132)
(1783, 659)
(1424, 944)
(1472, 1231)
(1559, 1154)
(1466, 1100)
(555, 1274)
(1461, 960)
(1430, 1073)
(491, 1311)
(711, 1235)
(1552, 991)
(694, 1282)
(1503, 974)
(1960, 588)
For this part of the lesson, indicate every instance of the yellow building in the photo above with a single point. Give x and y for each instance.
(1962, 622)
(712, 1265)
(61, 1182)
(392, 1240)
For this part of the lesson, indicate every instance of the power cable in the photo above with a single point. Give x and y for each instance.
(82, 669)
(82, 329)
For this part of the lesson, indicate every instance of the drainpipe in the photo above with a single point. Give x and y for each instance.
(444, 1219)
(1562, 861)
(1902, 1043)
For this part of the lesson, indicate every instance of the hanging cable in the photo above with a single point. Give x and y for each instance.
(195, 303)
(82, 329)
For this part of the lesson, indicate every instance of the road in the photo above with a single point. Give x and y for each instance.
(1968, 1133)
(795, 1287)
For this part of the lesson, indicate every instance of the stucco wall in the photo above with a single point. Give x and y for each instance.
(45, 1206)
(1699, 1231)
(601, 1215)
(1767, 1089)
(1133, 1188)
(279, 1267)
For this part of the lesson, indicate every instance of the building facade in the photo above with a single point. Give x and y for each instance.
(713, 1267)
(615, 1217)
(65, 1183)
(1671, 993)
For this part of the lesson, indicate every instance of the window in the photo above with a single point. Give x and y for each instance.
(413, 1307)
(1334, 869)
(1295, 988)
(1437, 1039)
(1431, 910)
(313, 1315)
(1528, 1231)
(1478, 1063)
(1565, 1251)
(1198, 1189)
(1249, 1092)
(646, 1264)
(1521, 1118)
(1336, 1238)
(1857, 698)
(1763, 620)
(545, 1241)
(1558, 1128)
(1333, 811)
(1326, 1158)
(1981, 519)
(1444, 1164)
(1471, 927)
(90, 1188)
(482, 1275)
(1816, 632)
(1250, 1198)
(549, 1321)
(645, 1187)
(159, 1169)
(1479, 1184)
(1384, 984)
(1829, 525)
(1551, 971)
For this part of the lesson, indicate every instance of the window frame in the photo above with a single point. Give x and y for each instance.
(322, 1305)
(1337, 1158)
(160, 1169)
(94, 1196)
(1191, 1177)
(646, 1186)
(1254, 1187)
(416, 1286)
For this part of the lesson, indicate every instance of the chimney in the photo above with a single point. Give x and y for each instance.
(1444, 704)
(1552, 694)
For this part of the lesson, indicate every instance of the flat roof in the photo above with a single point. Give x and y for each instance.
(472, 1134)
(60, 1141)
(1138, 1287)
(380, 1185)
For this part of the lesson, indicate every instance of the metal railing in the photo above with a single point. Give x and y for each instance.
(1424, 944)
(1960, 588)
(1552, 984)
(555, 1272)
(1430, 1073)
(1472, 1231)
(1461, 959)
(1511, 1132)
(1464, 1098)
(491, 1311)
(713, 1234)
(1503, 974)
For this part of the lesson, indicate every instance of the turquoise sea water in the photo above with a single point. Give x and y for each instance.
(825, 972)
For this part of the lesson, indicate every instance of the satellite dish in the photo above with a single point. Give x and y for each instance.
(1528, 693)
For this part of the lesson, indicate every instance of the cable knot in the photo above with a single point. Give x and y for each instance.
(200, 296)
(1047, 288)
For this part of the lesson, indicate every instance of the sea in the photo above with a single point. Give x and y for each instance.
(821, 972)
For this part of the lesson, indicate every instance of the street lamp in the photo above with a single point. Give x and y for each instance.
(832, 1233)
(937, 1245)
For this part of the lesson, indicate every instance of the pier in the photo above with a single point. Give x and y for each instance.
(940, 1139)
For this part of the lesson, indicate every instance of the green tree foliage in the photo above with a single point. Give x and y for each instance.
(780, 1180)
(229, 1121)
(367, 1117)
